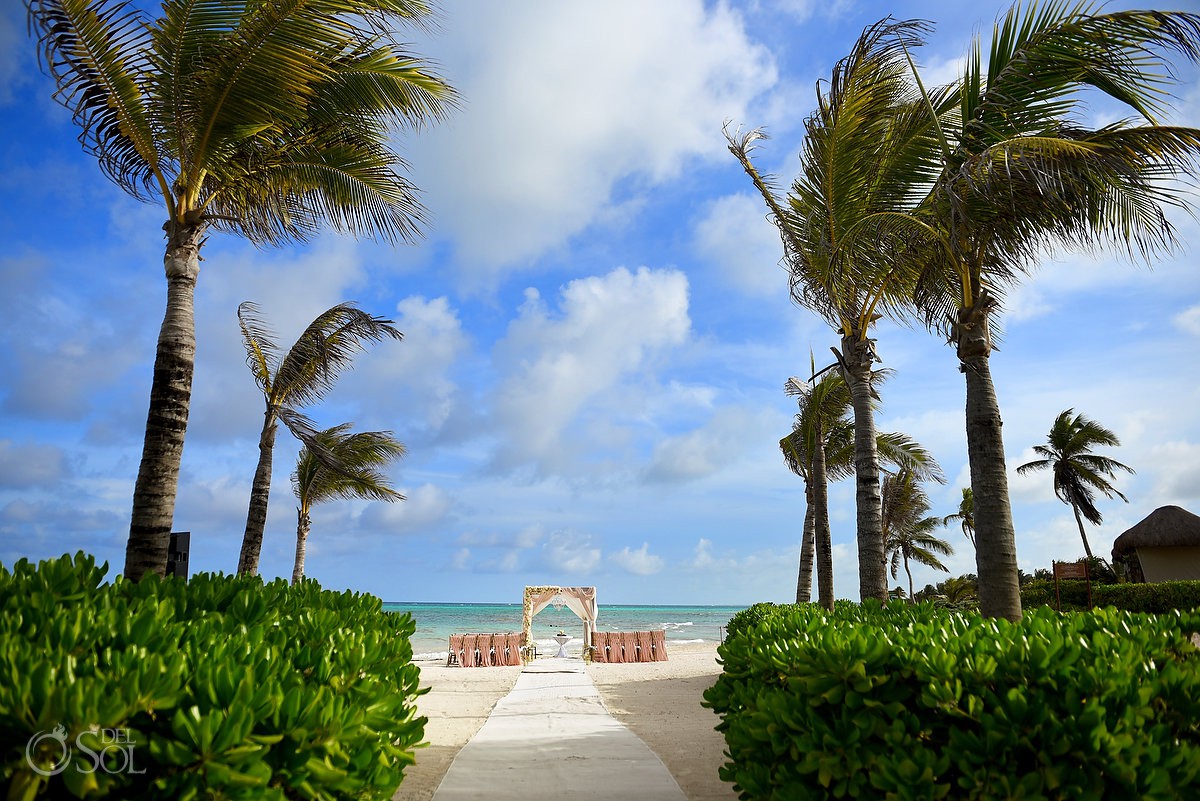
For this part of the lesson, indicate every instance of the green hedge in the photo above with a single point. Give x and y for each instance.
(1155, 598)
(218, 688)
(907, 702)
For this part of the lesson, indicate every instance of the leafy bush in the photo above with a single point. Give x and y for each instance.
(917, 703)
(219, 688)
(1155, 598)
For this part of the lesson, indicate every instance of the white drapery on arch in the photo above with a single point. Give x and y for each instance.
(580, 600)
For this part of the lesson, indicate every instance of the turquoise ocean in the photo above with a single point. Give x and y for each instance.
(436, 622)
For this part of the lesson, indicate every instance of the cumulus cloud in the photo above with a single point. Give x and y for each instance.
(706, 450)
(640, 562)
(1188, 321)
(423, 509)
(27, 465)
(555, 365)
(544, 137)
(570, 552)
(735, 234)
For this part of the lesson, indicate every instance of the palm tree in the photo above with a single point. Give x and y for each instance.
(823, 405)
(359, 458)
(1078, 473)
(866, 138)
(265, 120)
(1018, 175)
(908, 527)
(965, 515)
(822, 442)
(302, 376)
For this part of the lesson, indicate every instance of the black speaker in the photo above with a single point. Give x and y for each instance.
(177, 554)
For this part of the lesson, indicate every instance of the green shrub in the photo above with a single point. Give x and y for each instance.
(1156, 598)
(918, 703)
(219, 688)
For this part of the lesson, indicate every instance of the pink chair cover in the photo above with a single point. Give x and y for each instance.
(512, 649)
(456, 650)
(645, 646)
(598, 643)
(631, 646)
(658, 641)
(487, 655)
(468, 656)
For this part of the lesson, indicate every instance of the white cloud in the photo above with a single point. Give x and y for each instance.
(704, 451)
(640, 562)
(423, 509)
(570, 552)
(31, 465)
(736, 235)
(544, 135)
(1188, 321)
(556, 365)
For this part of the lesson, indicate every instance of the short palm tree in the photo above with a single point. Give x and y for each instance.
(965, 515)
(266, 120)
(863, 143)
(909, 528)
(1078, 473)
(290, 381)
(358, 459)
(1019, 174)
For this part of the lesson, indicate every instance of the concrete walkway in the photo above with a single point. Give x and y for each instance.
(551, 738)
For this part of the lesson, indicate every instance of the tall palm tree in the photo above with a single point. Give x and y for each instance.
(965, 515)
(290, 381)
(1019, 174)
(909, 528)
(868, 135)
(358, 458)
(266, 120)
(822, 442)
(1078, 473)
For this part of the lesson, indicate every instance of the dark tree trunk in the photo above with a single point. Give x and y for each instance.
(856, 358)
(821, 536)
(303, 523)
(995, 541)
(807, 544)
(157, 483)
(1087, 548)
(260, 493)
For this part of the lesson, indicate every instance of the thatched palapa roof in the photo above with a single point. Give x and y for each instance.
(1166, 526)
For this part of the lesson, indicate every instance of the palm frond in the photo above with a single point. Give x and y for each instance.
(352, 469)
(262, 354)
(328, 345)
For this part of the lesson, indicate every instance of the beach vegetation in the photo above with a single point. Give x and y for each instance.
(270, 121)
(218, 687)
(294, 380)
(965, 516)
(1078, 472)
(918, 702)
(351, 467)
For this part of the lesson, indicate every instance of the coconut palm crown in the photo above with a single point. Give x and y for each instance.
(1078, 472)
(268, 120)
(340, 465)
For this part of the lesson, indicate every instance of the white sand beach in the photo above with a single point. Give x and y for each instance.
(657, 701)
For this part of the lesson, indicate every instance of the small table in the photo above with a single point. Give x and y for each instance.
(562, 645)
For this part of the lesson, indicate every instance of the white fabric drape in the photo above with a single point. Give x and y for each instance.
(580, 600)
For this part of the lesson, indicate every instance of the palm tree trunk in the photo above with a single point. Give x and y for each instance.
(154, 492)
(303, 523)
(872, 560)
(260, 492)
(1079, 519)
(807, 543)
(995, 549)
(821, 537)
(910, 584)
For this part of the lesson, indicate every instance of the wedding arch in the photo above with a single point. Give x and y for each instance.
(580, 600)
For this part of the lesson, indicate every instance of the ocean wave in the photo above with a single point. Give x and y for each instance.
(431, 656)
(673, 626)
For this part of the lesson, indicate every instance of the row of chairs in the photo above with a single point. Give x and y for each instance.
(629, 646)
(486, 650)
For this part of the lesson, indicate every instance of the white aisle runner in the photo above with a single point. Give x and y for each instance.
(551, 738)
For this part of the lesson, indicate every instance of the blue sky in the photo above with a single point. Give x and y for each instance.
(597, 328)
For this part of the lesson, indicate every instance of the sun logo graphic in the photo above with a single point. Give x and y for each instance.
(48, 747)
